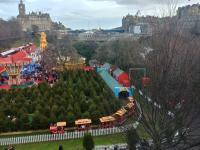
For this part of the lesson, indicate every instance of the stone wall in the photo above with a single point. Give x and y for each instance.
(27, 21)
(43, 23)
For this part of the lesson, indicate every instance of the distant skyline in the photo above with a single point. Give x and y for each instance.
(88, 14)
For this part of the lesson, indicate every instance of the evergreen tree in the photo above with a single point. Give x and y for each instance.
(132, 138)
(70, 118)
(77, 95)
(60, 147)
(88, 142)
(23, 122)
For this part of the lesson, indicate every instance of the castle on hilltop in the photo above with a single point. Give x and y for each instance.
(32, 20)
(189, 11)
(188, 17)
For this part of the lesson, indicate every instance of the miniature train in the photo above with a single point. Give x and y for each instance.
(116, 119)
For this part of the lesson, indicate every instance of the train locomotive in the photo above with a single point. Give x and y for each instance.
(116, 119)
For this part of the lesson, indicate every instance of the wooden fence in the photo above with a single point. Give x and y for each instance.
(112, 147)
(56, 137)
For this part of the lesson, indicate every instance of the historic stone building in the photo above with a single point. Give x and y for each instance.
(189, 17)
(138, 25)
(189, 11)
(128, 22)
(33, 20)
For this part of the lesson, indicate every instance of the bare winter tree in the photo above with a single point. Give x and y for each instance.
(10, 31)
(58, 49)
(170, 104)
(170, 116)
(124, 53)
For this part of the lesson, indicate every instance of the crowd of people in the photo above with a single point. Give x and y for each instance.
(39, 75)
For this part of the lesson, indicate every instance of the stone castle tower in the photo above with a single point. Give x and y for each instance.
(128, 22)
(29, 22)
(22, 9)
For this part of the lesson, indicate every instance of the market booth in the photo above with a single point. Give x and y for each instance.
(83, 124)
(120, 116)
(58, 128)
(107, 122)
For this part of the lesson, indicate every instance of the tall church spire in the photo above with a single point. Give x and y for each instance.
(22, 9)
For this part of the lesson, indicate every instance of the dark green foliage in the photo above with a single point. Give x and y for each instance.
(77, 95)
(132, 138)
(88, 142)
(60, 147)
(124, 53)
(86, 49)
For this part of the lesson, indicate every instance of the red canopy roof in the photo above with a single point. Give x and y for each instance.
(17, 58)
(88, 68)
(2, 69)
(5, 87)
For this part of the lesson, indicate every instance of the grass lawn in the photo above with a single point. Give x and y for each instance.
(23, 133)
(72, 144)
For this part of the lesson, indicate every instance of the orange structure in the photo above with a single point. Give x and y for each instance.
(83, 124)
(58, 128)
(70, 63)
(43, 41)
(75, 64)
(120, 116)
(107, 122)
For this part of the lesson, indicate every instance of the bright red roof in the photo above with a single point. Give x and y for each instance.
(2, 69)
(5, 87)
(19, 55)
(88, 68)
(17, 58)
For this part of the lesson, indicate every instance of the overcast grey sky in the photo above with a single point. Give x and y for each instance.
(87, 14)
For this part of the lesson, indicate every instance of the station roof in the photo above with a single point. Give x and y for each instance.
(7, 52)
(121, 112)
(130, 105)
(83, 121)
(107, 119)
(17, 58)
(61, 124)
(30, 47)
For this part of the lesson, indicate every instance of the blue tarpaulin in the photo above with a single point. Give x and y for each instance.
(106, 67)
(117, 72)
(30, 68)
(113, 84)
